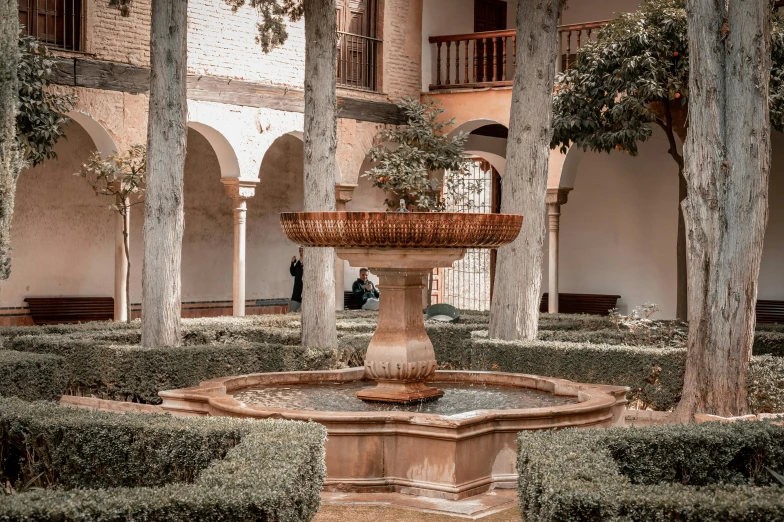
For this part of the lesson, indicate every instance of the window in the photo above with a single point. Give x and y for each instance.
(358, 44)
(57, 23)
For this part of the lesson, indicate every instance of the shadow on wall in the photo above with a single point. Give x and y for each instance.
(207, 244)
(62, 233)
(280, 189)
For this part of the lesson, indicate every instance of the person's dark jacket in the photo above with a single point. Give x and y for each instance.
(296, 272)
(358, 288)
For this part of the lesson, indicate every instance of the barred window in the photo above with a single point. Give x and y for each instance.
(57, 23)
(358, 44)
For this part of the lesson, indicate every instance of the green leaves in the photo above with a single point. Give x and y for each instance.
(604, 101)
(41, 119)
(409, 157)
(122, 176)
(272, 28)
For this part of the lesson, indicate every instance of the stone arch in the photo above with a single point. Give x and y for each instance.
(366, 197)
(490, 148)
(62, 233)
(103, 141)
(227, 158)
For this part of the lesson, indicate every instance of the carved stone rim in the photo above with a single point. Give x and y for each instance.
(401, 229)
(593, 399)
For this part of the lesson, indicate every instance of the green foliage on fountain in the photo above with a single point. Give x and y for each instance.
(696, 472)
(156, 467)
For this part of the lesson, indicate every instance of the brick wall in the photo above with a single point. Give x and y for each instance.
(222, 43)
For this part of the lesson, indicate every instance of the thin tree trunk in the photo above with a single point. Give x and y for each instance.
(682, 284)
(318, 293)
(670, 129)
(163, 203)
(11, 158)
(727, 157)
(127, 246)
(515, 307)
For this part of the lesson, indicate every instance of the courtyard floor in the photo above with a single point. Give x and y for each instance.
(494, 506)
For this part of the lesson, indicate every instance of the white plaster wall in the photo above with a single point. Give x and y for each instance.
(62, 233)
(771, 280)
(619, 228)
(208, 241)
(269, 252)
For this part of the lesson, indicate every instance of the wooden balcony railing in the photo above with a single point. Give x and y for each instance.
(481, 60)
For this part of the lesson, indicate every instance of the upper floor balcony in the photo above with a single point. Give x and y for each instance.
(471, 44)
(487, 59)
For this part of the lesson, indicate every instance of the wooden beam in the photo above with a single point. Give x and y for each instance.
(114, 76)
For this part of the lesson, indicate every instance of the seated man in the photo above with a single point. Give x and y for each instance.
(366, 290)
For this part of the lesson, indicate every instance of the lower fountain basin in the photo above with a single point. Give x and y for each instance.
(461, 452)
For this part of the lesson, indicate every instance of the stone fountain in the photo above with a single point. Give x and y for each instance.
(401, 248)
(396, 439)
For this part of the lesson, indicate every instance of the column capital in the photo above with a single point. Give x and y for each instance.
(344, 192)
(557, 196)
(237, 188)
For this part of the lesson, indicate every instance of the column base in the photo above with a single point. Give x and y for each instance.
(399, 392)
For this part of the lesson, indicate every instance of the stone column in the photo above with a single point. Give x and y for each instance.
(120, 267)
(239, 191)
(555, 198)
(343, 194)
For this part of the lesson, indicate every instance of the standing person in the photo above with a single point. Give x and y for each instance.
(366, 290)
(296, 270)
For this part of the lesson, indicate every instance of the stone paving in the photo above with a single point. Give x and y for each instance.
(494, 506)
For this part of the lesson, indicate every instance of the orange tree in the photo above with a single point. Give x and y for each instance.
(634, 76)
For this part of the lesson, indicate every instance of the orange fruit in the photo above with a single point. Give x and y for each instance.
(677, 95)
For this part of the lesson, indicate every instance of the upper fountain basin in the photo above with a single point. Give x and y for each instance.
(400, 229)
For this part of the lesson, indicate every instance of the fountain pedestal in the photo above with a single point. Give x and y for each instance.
(400, 355)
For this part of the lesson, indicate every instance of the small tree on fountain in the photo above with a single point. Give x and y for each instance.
(409, 158)
(122, 177)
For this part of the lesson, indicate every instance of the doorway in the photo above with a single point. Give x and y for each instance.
(489, 15)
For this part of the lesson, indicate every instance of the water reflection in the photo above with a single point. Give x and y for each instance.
(458, 398)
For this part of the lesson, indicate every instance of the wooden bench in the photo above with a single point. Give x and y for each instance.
(60, 310)
(351, 301)
(596, 304)
(769, 312)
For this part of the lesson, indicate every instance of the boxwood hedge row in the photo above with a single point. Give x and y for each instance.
(655, 375)
(31, 376)
(697, 472)
(137, 374)
(157, 468)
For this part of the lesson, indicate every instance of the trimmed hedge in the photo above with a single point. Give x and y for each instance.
(696, 472)
(265, 470)
(765, 342)
(32, 376)
(136, 374)
(655, 375)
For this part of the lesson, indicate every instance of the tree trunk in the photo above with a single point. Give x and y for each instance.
(515, 307)
(127, 246)
(682, 284)
(728, 157)
(11, 158)
(318, 293)
(163, 203)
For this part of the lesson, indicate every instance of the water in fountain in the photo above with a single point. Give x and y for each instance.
(458, 398)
